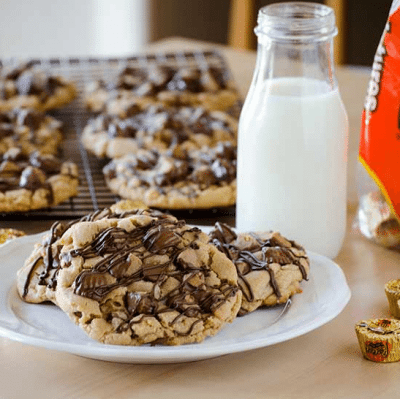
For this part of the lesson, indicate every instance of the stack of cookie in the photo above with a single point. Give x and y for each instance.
(31, 175)
(130, 276)
(170, 132)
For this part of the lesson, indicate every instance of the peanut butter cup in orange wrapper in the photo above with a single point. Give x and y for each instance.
(379, 339)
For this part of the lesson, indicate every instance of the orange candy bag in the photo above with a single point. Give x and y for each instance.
(379, 151)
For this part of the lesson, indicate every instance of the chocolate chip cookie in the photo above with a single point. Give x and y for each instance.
(140, 279)
(37, 279)
(29, 130)
(157, 127)
(34, 181)
(177, 178)
(25, 85)
(163, 83)
(270, 267)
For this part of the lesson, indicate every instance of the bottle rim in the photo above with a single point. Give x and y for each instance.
(299, 21)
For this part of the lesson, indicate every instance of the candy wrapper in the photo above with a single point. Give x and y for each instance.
(379, 152)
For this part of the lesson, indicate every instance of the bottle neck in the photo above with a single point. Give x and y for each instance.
(283, 58)
(295, 40)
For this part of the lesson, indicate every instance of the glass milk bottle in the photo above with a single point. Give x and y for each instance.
(292, 147)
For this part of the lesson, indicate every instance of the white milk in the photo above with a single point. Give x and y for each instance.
(292, 159)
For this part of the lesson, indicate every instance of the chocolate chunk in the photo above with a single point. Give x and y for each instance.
(153, 272)
(130, 78)
(92, 285)
(14, 73)
(146, 305)
(160, 239)
(178, 171)
(13, 154)
(122, 128)
(30, 82)
(219, 75)
(48, 163)
(204, 176)
(29, 117)
(160, 76)
(223, 233)
(6, 130)
(209, 83)
(280, 255)
(52, 84)
(120, 268)
(132, 300)
(32, 178)
(132, 110)
(6, 118)
(226, 150)
(186, 80)
(148, 161)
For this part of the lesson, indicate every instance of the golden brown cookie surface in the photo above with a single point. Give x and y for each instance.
(157, 127)
(210, 88)
(270, 267)
(177, 179)
(134, 277)
(34, 181)
(25, 85)
(29, 130)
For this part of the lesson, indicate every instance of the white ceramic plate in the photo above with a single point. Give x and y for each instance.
(325, 296)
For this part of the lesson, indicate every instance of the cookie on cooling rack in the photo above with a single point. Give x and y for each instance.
(29, 130)
(25, 85)
(37, 279)
(140, 279)
(157, 127)
(209, 87)
(270, 267)
(176, 179)
(34, 181)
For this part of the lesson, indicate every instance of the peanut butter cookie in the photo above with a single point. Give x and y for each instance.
(34, 181)
(270, 267)
(176, 179)
(157, 127)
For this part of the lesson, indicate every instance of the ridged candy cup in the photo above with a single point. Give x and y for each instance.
(379, 339)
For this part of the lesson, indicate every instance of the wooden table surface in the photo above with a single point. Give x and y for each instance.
(325, 363)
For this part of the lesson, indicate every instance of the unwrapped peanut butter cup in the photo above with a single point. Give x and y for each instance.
(379, 339)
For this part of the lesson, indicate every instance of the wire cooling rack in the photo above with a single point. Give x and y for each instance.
(93, 193)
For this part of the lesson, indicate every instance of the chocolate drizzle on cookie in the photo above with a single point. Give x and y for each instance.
(154, 253)
(178, 170)
(30, 81)
(31, 172)
(50, 255)
(257, 253)
(158, 78)
(169, 126)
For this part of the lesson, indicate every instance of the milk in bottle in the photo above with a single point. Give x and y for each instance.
(292, 150)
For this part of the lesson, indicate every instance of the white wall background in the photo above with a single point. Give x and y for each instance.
(43, 28)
